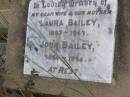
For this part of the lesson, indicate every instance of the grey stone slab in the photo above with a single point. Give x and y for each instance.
(51, 86)
(71, 39)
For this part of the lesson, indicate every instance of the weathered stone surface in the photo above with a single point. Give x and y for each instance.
(78, 33)
(4, 5)
(124, 35)
(15, 51)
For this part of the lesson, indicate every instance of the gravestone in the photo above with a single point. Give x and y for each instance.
(71, 39)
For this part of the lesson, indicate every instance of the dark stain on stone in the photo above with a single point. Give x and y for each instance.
(98, 25)
(36, 49)
(41, 46)
(109, 31)
(89, 60)
(93, 49)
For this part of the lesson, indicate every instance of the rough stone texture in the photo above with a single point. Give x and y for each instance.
(15, 53)
(91, 58)
(123, 34)
(4, 5)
